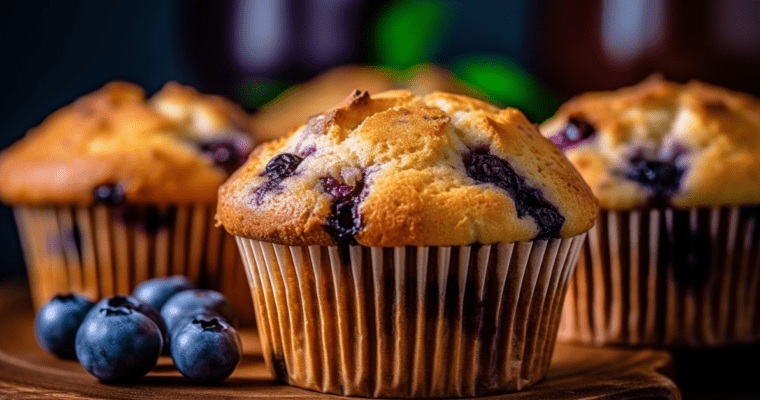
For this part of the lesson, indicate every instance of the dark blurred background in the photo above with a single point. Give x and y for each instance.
(524, 53)
(531, 54)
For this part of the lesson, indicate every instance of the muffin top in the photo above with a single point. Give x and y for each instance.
(661, 143)
(115, 146)
(394, 169)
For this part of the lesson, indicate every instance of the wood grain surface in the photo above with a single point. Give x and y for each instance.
(26, 371)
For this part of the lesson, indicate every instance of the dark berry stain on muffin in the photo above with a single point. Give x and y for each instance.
(228, 153)
(281, 166)
(575, 132)
(660, 177)
(308, 150)
(277, 169)
(109, 194)
(487, 168)
(344, 221)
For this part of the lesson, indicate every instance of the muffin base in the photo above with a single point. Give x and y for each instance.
(99, 251)
(667, 277)
(409, 321)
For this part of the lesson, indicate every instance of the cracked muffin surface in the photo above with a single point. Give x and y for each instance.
(394, 169)
(115, 145)
(663, 143)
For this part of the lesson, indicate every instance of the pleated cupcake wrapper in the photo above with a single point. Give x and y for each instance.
(666, 277)
(409, 321)
(100, 251)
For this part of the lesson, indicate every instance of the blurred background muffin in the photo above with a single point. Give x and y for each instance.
(673, 259)
(116, 188)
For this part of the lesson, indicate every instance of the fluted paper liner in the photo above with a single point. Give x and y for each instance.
(666, 277)
(100, 251)
(409, 321)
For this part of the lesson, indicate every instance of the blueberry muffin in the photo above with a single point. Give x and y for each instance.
(673, 258)
(116, 188)
(403, 246)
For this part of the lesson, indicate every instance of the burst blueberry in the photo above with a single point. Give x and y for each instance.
(118, 344)
(277, 169)
(57, 322)
(344, 220)
(282, 166)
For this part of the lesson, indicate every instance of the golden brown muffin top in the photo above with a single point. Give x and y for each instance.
(288, 111)
(394, 169)
(114, 146)
(663, 143)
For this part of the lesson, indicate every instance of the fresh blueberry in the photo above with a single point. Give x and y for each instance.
(344, 221)
(158, 290)
(191, 302)
(118, 343)
(57, 322)
(487, 168)
(206, 350)
(129, 302)
(109, 194)
(575, 132)
(277, 169)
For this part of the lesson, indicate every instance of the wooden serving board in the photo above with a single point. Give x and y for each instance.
(26, 371)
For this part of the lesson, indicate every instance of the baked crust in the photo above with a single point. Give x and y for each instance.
(115, 136)
(712, 134)
(408, 154)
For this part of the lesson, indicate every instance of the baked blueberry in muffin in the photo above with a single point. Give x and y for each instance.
(663, 143)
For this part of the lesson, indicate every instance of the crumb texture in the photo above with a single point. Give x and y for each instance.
(394, 169)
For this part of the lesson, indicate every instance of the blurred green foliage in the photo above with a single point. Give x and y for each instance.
(509, 85)
(409, 32)
(255, 91)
